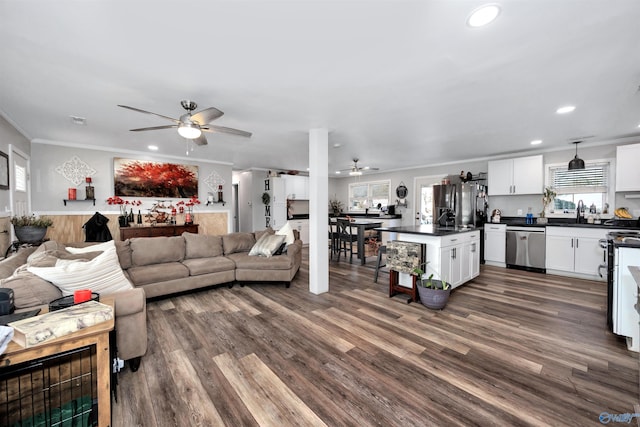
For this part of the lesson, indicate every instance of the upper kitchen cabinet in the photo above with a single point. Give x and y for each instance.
(627, 170)
(522, 175)
(296, 187)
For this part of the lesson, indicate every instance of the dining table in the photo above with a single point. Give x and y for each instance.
(362, 225)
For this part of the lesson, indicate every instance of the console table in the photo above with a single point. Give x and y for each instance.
(96, 336)
(156, 231)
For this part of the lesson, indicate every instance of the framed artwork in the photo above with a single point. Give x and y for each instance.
(4, 171)
(138, 178)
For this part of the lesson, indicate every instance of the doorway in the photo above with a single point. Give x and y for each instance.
(424, 198)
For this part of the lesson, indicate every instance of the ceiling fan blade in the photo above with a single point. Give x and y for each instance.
(207, 115)
(154, 128)
(149, 112)
(201, 140)
(222, 129)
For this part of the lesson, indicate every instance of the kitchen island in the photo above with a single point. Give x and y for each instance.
(452, 254)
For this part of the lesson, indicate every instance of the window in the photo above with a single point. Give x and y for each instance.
(20, 173)
(591, 185)
(364, 195)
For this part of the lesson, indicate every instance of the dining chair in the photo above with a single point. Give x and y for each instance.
(347, 238)
(382, 250)
(333, 237)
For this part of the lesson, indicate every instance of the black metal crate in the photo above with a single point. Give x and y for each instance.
(58, 390)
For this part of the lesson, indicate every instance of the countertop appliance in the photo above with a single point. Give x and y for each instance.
(526, 248)
(623, 250)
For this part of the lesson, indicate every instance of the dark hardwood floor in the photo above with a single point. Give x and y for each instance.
(510, 348)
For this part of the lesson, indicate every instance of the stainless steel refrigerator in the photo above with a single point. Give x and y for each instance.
(461, 205)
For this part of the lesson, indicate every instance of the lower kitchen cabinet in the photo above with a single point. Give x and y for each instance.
(495, 243)
(460, 258)
(302, 225)
(576, 250)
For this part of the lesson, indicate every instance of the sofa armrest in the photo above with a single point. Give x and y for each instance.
(131, 323)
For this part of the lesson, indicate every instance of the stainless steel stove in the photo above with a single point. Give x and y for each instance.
(620, 300)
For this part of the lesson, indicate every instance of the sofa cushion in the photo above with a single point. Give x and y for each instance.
(258, 263)
(9, 265)
(157, 250)
(238, 242)
(287, 231)
(267, 245)
(30, 290)
(198, 266)
(102, 274)
(202, 246)
(50, 258)
(124, 253)
(145, 274)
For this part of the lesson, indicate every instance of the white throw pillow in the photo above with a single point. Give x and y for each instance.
(102, 274)
(92, 248)
(287, 231)
(267, 245)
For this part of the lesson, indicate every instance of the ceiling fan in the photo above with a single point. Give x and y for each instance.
(192, 125)
(356, 170)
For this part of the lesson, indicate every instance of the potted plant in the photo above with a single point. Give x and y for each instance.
(433, 293)
(335, 206)
(31, 229)
(547, 197)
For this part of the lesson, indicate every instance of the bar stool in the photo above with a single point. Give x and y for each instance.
(381, 250)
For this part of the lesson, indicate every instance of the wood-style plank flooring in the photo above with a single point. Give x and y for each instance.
(510, 348)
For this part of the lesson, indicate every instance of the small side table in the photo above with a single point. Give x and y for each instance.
(395, 288)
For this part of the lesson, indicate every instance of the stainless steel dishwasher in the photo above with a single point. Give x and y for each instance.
(526, 248)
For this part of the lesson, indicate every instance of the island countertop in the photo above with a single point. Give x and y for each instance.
(427, 230)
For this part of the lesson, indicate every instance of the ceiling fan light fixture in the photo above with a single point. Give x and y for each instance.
(355, 173)
(189, 130)
(576, 163)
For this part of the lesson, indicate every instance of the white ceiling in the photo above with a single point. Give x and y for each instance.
(397, 83)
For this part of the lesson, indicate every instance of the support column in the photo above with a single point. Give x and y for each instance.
(319, 210)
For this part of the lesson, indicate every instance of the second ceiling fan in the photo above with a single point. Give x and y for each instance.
(356, 170)
(192, 125)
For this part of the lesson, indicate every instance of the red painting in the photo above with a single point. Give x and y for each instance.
(137, 178)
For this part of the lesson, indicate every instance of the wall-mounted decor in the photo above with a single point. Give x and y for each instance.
(138, 178)
(214, 180)
(75, 170)
(4, 171)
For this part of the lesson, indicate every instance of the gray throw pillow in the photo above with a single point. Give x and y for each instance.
(267, 245)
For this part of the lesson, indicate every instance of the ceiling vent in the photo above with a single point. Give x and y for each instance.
(80, 121)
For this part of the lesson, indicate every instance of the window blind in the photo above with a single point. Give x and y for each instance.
(592, 179)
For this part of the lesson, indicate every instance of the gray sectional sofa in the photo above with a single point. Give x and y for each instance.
(158, 266)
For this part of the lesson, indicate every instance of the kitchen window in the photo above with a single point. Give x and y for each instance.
(365, 195)
(592, 185)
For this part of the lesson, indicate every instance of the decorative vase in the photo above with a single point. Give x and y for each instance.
(434, 299)
(123, 221)
(30, 234)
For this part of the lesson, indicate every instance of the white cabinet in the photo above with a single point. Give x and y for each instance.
(521, 175)
(625, 296)
(460, 258)
(495, 244)
(302, 225)
(297, 187)
(627, 170)
(576, 250)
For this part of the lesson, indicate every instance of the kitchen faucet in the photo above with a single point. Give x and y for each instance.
(579, 209)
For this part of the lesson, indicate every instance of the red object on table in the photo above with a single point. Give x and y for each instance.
(81, 295)
(72, 194)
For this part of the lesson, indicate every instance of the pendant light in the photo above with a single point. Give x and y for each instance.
(576, 163)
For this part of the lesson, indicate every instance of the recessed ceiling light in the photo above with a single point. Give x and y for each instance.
(338, 172)
(566, 109)
(80, 121)
(337, 145)
(483, 15)
(153, 147)
(536, 142)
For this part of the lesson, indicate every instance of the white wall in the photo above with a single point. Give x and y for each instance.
(9, 135)
(49, 188)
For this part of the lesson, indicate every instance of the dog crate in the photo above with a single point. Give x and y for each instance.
(58, 390)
